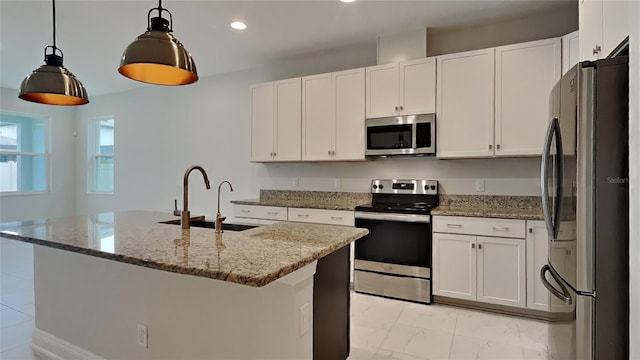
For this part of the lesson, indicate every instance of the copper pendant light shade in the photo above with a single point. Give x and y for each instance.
(52, 83)
(157, 57)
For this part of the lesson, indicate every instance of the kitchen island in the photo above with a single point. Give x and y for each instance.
(277, 291)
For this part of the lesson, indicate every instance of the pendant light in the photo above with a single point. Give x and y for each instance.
(157, 57)
(52, 83)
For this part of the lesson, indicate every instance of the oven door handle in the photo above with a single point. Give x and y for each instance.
(412, 218)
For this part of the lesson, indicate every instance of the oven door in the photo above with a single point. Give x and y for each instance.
(394, 259)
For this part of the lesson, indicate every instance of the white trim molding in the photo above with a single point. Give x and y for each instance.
(52, 347)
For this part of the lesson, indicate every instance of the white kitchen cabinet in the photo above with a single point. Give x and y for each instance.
(570, 50)
(603, 25)
(465, 111)
(321, 216)
(333, 116)
(454, 266)
(538, 297)
(487, 269)
(501, 271)
(525, 75)
(276, 124)
(258, 214)
(405, 88)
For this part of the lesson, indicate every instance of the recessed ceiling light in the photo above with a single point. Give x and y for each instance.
(238, 25)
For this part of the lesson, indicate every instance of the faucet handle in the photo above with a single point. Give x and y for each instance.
(176, 212)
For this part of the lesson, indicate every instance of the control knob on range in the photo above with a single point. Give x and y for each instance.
(375, 186)
(381, 186)
(433, 187)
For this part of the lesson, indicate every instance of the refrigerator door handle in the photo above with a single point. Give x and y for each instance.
(562, 294)
(546, 153)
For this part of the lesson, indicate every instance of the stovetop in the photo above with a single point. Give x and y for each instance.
(402, 196)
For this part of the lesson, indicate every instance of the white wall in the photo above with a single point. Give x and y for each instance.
(634, 181)
(60, 201)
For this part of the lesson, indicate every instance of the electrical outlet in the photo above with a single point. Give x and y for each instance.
(480, 185)
(143, 335)
(305, 318)
(295, 182)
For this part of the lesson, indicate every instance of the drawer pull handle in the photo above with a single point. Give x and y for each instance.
(336, 218)
(303, 215)
(272, 213)
(457, 226)
(500, 228)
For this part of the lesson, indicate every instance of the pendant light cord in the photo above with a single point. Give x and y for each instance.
(54, 25)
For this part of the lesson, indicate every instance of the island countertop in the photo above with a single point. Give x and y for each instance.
(252, 257)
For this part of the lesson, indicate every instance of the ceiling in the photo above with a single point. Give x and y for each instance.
(93, 33)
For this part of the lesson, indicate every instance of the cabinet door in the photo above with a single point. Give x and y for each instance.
(615, 24)
(465, 104)
(525, 75)
(288, 141)
(454, 266)
(382, 90)
(262, 122)
(590, 25)
(418, 86)
(501, 271)
(349, 105)
(317, 117)
(570, 51)
(538, 297)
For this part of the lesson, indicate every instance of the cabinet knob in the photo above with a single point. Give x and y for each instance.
(498, 146)
(530, 230)
(597, 49)
(396, 108)
(473, 246)
(328, 152)
(490, 147)
(480, 246)
(401, 107)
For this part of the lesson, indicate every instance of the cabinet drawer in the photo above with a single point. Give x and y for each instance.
(336, 217)
(480, 226)
(260, 212)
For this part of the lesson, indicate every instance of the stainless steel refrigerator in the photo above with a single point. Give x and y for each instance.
(585, 191)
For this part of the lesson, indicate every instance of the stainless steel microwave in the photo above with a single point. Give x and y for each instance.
(401, 135)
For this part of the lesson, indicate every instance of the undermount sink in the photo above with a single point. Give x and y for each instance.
(211, 225)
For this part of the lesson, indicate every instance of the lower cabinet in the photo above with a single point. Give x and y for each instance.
(538, 297)
(258, 214)
(471, 266)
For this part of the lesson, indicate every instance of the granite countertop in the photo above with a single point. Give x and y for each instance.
(327, 200)
(252, 257)
(491, 206)
(503, 213)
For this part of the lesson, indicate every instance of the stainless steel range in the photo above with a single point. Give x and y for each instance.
(394, 259)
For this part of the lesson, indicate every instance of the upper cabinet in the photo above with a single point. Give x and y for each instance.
(525, 75)
(405, 88)
(464, 120)
(276, 125)
(570, 50)
(495, 102)
(603, 25)
(333, 116)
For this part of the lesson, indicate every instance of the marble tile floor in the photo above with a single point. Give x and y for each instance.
(380, 328)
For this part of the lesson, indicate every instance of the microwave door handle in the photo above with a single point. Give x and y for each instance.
(562, 294)
(546, 150)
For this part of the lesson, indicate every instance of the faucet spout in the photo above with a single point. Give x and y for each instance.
(219, 217)
(185, 194)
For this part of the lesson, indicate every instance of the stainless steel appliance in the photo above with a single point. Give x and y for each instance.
(394, 259)
(401, 135)
(584, 179)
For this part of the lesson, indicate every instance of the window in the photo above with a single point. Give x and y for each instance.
(24, 153)
(101, 150)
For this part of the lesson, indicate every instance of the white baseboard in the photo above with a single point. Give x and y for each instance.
(51, 347)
